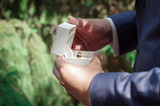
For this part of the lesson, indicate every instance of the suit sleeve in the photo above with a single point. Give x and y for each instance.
(125, 89)
(126, 27)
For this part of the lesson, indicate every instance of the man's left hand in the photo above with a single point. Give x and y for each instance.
(77, 79)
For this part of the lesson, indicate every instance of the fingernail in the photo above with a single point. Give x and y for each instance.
(73, 20)
(70, 17)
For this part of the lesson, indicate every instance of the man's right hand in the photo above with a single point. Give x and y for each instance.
(91, 34)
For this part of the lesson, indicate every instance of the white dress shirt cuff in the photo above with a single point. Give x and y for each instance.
(114, 44)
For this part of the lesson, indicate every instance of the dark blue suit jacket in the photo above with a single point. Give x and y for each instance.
(138, 30)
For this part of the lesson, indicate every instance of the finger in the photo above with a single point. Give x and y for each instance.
(77, 46)
(59, 63)
(57, 74)
(96, 58)
(77, 21)
(72, 20)
(77, 43)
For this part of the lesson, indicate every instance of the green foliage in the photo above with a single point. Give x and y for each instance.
(107, 49)
(13, 57)
(131, 57)
(9, 93)
(40, 14)
(26, 68)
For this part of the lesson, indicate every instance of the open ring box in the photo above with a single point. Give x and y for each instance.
(64, 35)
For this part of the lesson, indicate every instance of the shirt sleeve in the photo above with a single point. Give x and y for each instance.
(114, 44)
(126, 27)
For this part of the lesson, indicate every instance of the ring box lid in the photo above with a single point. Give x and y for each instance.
(63, 39)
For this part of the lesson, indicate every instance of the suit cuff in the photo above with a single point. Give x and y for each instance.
(114, 44)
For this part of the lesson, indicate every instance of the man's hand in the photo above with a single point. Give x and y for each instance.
(76, 79)
(91, 34)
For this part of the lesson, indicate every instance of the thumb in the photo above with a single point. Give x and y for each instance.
(57, 74)
(96, 58)
(75, 21)
(59, 63)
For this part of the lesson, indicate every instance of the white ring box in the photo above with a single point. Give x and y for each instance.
(64, 35)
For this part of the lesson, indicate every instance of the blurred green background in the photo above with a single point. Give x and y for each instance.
(25, 60)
